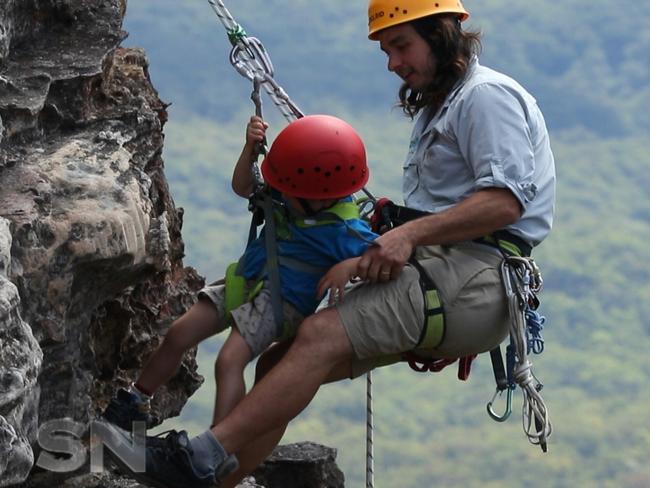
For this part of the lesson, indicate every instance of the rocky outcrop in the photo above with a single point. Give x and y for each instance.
(91, 269)
(21, 362)
(301, 465)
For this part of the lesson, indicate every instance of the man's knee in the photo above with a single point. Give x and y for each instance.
(323, 333)
(269, 358)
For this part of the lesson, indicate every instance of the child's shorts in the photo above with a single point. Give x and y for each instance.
(254, 320)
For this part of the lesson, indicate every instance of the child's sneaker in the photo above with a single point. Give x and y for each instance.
(126, 408)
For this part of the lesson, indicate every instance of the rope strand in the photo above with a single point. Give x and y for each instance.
(251, 60)
(370, 457)
(522, 280)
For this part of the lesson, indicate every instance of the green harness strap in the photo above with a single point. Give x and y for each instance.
(237, 293)
(433, 331)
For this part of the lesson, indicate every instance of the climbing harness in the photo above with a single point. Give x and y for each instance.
(250, 59)
(522, 281)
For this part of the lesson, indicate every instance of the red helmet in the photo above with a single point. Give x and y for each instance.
(316, 157)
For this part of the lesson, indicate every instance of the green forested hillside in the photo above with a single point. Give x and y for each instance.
(588, 64)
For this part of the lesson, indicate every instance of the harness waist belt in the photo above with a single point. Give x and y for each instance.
(502, 239)
(507, 242)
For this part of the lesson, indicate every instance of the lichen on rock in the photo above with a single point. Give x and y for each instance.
(91, 270)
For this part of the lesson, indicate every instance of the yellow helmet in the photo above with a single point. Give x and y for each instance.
(387, 13)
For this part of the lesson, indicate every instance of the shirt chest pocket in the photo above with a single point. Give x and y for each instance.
(410, 177)
(418, 163)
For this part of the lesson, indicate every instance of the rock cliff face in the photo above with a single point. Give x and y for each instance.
(91, 269)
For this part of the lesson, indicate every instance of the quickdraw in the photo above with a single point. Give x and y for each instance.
(251, 60)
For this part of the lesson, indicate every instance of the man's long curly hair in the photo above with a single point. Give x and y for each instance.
(452, 50)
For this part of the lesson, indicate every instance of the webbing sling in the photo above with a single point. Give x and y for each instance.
(261, 204)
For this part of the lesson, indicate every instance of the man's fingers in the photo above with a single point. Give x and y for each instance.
(363, 265)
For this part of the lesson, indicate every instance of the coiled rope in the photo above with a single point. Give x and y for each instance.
(522, 281)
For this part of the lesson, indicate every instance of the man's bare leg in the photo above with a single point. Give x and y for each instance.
(257, 451)
(319, 350)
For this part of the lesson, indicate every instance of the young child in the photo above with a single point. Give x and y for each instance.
(312, 168)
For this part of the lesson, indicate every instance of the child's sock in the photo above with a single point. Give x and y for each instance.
(208, 453)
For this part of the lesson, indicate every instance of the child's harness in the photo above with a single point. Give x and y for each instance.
(281, 217)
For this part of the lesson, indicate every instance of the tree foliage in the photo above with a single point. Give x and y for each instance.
(588, 65)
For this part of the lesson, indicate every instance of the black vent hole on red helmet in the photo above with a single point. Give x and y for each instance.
(301, 171)
(338, 167)
(316, 169)
(353, 167)
(328, 174)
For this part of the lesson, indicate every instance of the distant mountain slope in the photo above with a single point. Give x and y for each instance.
(588, 65)
(587, 62)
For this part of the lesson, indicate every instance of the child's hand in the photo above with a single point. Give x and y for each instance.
(336, 279)
(255, 130)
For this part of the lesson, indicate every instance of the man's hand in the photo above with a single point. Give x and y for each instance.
(386, 260)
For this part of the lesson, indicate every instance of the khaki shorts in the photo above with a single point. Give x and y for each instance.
(254, 320)
(386, 319)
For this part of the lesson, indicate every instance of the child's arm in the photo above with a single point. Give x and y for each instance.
(242, 176)
(336, 278)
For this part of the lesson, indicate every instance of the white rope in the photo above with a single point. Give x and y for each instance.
(370, 458)
(521, 279)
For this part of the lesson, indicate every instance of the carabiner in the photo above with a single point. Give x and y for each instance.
(508, 411)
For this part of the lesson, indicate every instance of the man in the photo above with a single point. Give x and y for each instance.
(480, 162)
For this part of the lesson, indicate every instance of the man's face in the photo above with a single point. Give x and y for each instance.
(409, 55)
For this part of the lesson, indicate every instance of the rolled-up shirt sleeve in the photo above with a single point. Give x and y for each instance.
(495, 139)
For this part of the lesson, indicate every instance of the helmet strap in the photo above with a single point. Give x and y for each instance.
(307, 208)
